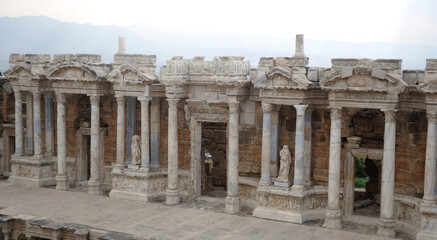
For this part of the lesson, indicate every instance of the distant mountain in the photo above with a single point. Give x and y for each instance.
(45, 35)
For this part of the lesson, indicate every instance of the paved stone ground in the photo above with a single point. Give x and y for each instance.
(152, 220)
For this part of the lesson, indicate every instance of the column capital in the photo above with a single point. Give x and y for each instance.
(234, 106)
(120, 99)
(37, 96)
(144, 100)
(60, 98)
(390, 115)
(335, 113)
(432, 116)
(173, 103)
(48, 95)
(309, 109)
(94, 98)
(266, 107)
(300, 109)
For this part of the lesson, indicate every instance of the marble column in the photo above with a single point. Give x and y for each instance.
(121, 130)
(18, 123)
(265, 151)
(196, 158)
(172, 193)
(299, 148)
(430, 161)
(29, 124)
(274, 140)
(232, 201)
(308, 147)
(49, 128)
(131, 125)
(94, 182)
(333, 212)
(145, 132)
(155, 129)
(61, 177)
(37, 127)
(386, 225)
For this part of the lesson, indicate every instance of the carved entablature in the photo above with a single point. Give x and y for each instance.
(210, 112)
(364, 75)
(28, 71)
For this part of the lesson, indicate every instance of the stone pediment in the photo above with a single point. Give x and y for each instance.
(75, 71)
(430, 84)
(363, 76)
(25, 71)
(282, 78)
(129, 74)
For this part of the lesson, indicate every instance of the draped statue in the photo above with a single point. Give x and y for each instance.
(285, 162)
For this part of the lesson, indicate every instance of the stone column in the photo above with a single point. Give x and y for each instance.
(232, 202)
(121, 129)
(37, 128)
(49, 128)
(18, 123)
(430, 161)
(94, 182)
(172, 192)
(386, 225)
(308, 147)
(265, 151)
(196, 158)
(155, 129)
(61, 177)
(29, 124)
(131, 125)
(333, 212)
(274, 139)
(299, 148)
(145, 132)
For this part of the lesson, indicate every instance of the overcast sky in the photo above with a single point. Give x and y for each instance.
(412, 22)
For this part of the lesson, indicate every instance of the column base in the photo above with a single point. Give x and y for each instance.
(427, 202)
(265, 182)
(282, 184)
(386, 228)
(232, 205)
(172, 197)
(61, 182)
(333, 219)
(298, 187)
(94, 187)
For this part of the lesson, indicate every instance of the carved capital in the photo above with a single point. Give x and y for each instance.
(266, 107)
(172, 104)
(335, 113)
(390, 115)
(144, 100)
(300, 109)
(94, 99)
(17, 95)
(60, 98)
(234, 107)
(48, 95)
(36, 96)
(121, 100)
(432, 116)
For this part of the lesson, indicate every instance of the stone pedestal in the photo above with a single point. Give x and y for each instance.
(282, 184)
(232, 202)
(61, 177)
(333, 212)
(299, 148)
(386, 221)
(94, 182)
(172, 192)
(18, 123)
(265, 154)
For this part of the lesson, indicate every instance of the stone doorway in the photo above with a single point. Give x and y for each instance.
(366, 198)
(213, 159)
(8, 148)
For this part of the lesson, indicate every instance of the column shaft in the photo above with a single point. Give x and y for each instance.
(131, 125)
(233, 200)
(94, 182)
(18, 123)
(37, 127)
(155, 132)
(308, 147)
(145, 132)
(265, 151)
(430, 161)
(299, 148)
(333, 213)
(121, 129)
(274, 140)
(29, 124)
(49, 128)
(61, 177)
(172, 193)
(386, 219)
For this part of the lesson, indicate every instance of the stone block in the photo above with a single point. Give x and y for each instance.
(313, 74)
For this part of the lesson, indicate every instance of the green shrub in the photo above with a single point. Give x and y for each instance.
(361, 182)
(360, 168)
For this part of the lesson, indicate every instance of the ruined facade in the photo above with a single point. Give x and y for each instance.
(219, 123)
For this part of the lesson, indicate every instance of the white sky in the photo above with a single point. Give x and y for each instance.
(397, 21)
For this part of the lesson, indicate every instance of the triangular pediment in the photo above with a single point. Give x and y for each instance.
(129, 74)
(20, 70)
(282, 78)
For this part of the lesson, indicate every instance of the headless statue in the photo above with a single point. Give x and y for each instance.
(285, 162)
(136, 150)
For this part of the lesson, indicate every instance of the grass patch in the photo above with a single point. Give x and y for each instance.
(361, 182)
